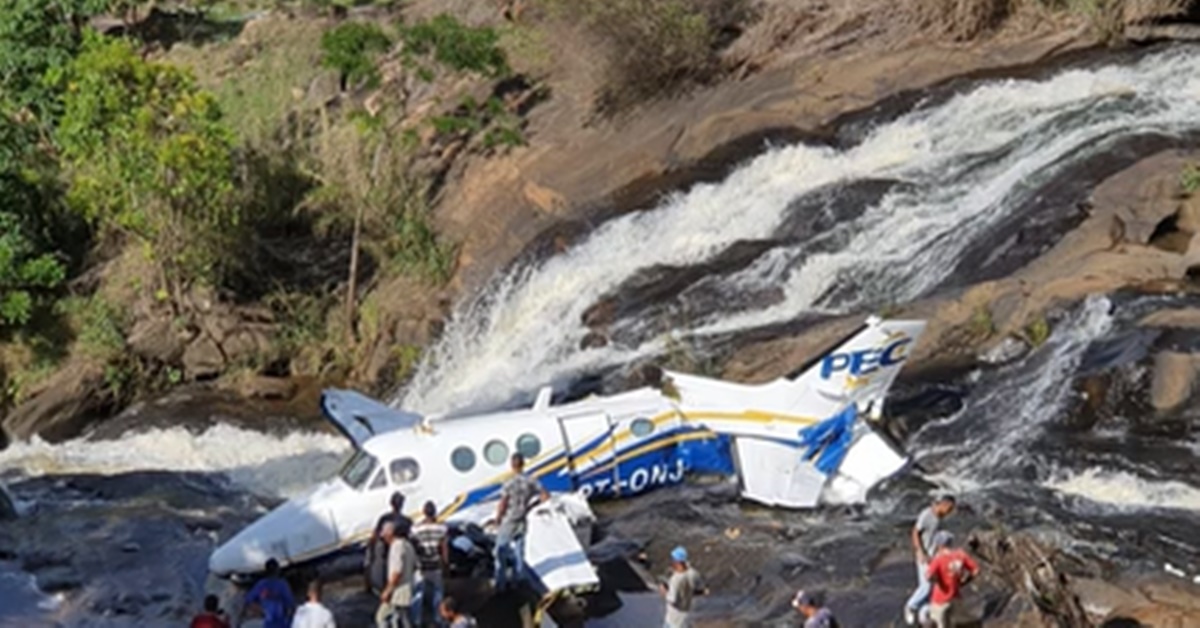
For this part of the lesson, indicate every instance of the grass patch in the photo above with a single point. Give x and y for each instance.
(1189, 179)
(1037, 332)
(262, 76)
(981, 324)
(98, 324)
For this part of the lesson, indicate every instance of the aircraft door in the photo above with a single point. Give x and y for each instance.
(588, 443)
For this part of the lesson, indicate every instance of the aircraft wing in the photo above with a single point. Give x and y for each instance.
(554, 549)
(359, 417)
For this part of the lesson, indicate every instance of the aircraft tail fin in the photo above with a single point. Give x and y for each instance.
(863, 366)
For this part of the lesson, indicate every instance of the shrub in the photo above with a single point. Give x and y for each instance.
(350, 48)
(99, 326)
(1189, 179)
(39, 38)
(149, 158)
(31, 266)
(456, 46)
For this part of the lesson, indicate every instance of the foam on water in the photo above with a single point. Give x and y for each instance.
(258, 462)
(994, 431)
(1125, 490)
(965, 165)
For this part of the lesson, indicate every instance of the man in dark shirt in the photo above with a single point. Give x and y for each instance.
(375, 559)
(815, 615)
(433, 556)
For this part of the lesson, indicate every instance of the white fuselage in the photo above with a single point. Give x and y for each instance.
(614, 446)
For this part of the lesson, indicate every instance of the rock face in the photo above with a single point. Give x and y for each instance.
(62, 406)
(799, 72)
(1174, 379)
(1116, 247)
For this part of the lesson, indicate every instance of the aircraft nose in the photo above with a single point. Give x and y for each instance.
(233, 558)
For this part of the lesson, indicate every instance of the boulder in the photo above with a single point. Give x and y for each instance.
(1100, 598)
(1189, 215)
(62, 406)
(157, 339)
(1143, 195)
(246, 342)
(1173, 379)
(203, 358)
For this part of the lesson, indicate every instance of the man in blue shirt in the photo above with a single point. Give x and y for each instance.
(272, 597)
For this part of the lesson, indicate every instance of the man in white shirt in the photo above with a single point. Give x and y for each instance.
(313, 614)
(396, 600)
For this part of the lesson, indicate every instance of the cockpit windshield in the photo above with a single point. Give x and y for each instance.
(358, 469)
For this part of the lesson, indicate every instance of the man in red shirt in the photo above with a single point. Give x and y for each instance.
(948, 571)
(212, 617)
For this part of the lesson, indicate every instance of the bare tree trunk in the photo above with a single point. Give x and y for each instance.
(352, 282)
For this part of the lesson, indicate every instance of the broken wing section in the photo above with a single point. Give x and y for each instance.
(360, 417)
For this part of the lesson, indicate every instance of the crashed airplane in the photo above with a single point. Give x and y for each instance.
(794, 442)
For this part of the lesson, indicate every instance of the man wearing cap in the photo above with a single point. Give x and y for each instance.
(948, 571)
(815, 615)
(681, 587)
(928, 523)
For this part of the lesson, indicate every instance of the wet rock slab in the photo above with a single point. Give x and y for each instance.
(132, 548)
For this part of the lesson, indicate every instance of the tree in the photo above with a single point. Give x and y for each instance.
(366, 188)
(31, 267)
(37, 38)
(148, 157)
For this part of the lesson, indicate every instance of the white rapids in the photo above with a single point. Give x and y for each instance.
(1125, 490)
(261, 463)
(965, 164)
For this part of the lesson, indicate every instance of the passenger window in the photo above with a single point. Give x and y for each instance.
(463, 459)
(529, 446)
(380, 480)
(405, 470)
(495, 452)
(641, 426)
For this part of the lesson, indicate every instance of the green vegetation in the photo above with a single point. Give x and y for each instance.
(1037, 332)
(150, 159)
(350, 48)
(981, 324)
(1189, 179)
(31, 269)
(38, 38)
(456, 46)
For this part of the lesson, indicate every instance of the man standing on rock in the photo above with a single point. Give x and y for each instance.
(272, 597)
(519, 494)
(683, 585)
(948, 571)
(313, 614)
(395, 602)
(928, 523)
(434, 556)
(375, 560)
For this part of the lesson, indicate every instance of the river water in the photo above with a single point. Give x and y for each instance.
(120, 529)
